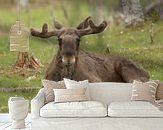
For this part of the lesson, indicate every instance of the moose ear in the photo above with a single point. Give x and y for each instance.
(57, 25)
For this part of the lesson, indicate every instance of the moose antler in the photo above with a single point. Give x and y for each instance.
(44, 33)
(57, 25)
(84, 24)
(91, 28)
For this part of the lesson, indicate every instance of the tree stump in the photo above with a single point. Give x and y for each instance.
(25, 60)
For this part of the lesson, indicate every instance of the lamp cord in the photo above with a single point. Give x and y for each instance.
(18, 13)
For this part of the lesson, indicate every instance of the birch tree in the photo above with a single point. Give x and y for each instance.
(133, 12)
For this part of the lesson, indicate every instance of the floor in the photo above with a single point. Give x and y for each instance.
(5, 122)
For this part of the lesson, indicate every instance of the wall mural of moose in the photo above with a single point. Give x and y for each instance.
(74, 63)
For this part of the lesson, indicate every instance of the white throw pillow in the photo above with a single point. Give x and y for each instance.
(71, 84)
(70, 95)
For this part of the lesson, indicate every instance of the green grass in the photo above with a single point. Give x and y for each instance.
(133, 43)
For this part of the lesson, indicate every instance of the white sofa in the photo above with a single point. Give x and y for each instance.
(115, 111)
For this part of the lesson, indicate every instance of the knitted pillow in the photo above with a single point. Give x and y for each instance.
(159, 93)
(48, 89)
(144, 91)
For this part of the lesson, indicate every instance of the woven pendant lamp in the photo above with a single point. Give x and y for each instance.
(19, 35)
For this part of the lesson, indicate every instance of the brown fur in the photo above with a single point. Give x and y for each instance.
(97, 69)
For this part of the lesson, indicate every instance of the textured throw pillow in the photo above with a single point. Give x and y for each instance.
(70, 95)
(71, 84)
(144, 91)
(48, 89)
(159, 93)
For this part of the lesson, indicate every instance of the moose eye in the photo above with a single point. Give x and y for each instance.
(60, 41)
(78, 41)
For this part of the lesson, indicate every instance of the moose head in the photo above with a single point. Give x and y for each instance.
(69, 38)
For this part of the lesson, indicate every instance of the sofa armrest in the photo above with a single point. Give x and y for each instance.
(36, 103)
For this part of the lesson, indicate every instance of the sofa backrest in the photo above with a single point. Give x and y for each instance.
(107, 92)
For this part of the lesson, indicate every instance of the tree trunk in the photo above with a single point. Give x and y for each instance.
(24, 3)
(155, 10)
(125, 7)
(132, 11)
(136, 10)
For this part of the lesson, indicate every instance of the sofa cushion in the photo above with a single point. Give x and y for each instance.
(133, 109)
(74, 109)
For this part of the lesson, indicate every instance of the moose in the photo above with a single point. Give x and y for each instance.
(75, 63)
